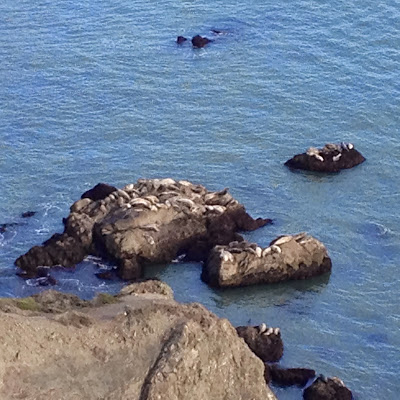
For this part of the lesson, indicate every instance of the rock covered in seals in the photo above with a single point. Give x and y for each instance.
(288, 257)
(331, 158)
(151, 221)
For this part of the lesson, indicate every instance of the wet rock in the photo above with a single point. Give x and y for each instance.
(331, 158)
(181, 39)
(152, 221)
(200, 41)
(288, 376)
(327, 389)
(99, 192)
(265, 342)
(28, 214)
(288, 257)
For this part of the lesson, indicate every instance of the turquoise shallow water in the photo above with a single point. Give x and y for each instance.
(100, 92)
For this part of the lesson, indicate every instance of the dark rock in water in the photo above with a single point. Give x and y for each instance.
(331, 158)
(152, 221)
(327, 389)
(106, 275)
(28, 214)
(266, 343)
(286, 258)
(181, 39)
(4, 227)
(99, 192)
(199, 41)
(288, 376)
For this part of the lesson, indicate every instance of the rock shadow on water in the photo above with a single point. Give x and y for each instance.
(273, 294)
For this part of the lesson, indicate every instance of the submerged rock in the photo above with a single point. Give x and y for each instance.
(136, 349)
(331, 158)
(327, 389)
(288, 257)
(152, 221)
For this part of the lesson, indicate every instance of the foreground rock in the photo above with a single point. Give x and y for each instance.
(331, 158)
(327, 389)
(143, 346)
(152, 221)
(265, 342)
(288, 257)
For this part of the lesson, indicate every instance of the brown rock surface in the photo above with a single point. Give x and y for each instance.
(152, 221)
(265, 342)
(144, 347)
(287, 257)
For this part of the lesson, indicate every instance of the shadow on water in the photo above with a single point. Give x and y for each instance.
(276, 294)
(184, 278)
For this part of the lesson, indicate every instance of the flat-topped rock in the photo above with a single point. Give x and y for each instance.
(135, 348)
(331, 158)
(151, 221)
(288, 257)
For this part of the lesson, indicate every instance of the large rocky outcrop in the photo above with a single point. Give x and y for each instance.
(331, 158)
(142, 346)
(288, 257)
(152, 221)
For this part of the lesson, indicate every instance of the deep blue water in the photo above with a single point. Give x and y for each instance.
(99, 92)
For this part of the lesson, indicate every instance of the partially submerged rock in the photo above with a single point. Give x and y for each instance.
(200, 41)
(137, 349)
(288, 257)
(181, 39)
(152, 221)
(327, 389)
(287, 376)
(265, 342)
(331, 158)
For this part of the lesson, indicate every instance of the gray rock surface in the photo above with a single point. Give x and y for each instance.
(288, 257)
(143, 346)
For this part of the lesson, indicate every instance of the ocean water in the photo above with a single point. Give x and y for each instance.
(100, 92)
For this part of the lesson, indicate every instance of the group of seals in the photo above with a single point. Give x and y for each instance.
(330, 158)
(150, 221)
(287, 257)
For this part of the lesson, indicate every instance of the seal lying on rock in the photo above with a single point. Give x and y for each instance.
(288, 257)
(151, 221)
(331, 158)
